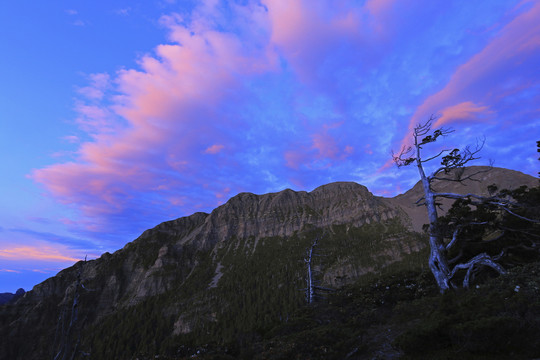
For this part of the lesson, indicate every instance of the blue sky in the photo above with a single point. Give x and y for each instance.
(116, 116)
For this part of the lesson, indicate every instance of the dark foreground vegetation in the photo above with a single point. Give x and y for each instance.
(401, 316)
(397, 315)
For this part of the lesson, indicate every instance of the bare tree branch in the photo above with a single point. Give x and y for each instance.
(458, 159)
(481, 259)
(519, 216)
(436, 156)
(461, 179)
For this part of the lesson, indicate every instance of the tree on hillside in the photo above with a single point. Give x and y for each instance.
(313, 289)
(441, 240)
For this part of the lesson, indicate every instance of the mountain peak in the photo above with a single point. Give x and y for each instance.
(244, 259)
(340, 186)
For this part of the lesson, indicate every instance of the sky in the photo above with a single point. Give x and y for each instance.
(118, 115)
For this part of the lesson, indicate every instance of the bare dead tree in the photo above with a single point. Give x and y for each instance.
(310, 289)
(313, 289)
(451, 168)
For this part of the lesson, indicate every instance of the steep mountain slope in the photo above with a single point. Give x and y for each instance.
(219, 275)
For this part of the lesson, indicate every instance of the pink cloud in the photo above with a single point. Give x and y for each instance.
(163, 113)
(224, 193)
(484, 78)
(465, 111)
(177, 200)
(381, 13)
(39, 253)
(95, 188)
(214, 149)
(95, 119)
(368, 150)
(41, 271)
(327, 145)
(324, 146)
(99, 83)
(294, 158)
(306, 31)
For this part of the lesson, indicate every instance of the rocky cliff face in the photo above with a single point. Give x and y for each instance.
(248, 251)
(283, 213)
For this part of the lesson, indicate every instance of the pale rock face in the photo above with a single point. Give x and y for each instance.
(182, 326)
(283, 213)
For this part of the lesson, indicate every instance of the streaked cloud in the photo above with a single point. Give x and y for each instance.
(78, 22)
(214, 149)
(39, 253)
(465, 111)
(123, 11)
(73, 139)
(99, 83)
(10, 271)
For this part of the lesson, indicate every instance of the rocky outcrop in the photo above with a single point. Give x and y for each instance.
(283, 213)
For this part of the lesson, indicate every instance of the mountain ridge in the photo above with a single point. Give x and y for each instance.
(251, 239)
(8, 297)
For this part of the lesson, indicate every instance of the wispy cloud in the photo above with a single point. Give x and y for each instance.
(214, 149)
(10, 271)
(60, 240)
(40, 253)
(123, 11)
(78, 22)
(72, 139)
(99, 83)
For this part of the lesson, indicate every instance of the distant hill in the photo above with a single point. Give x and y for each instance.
(7, 297)
(223, 276)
